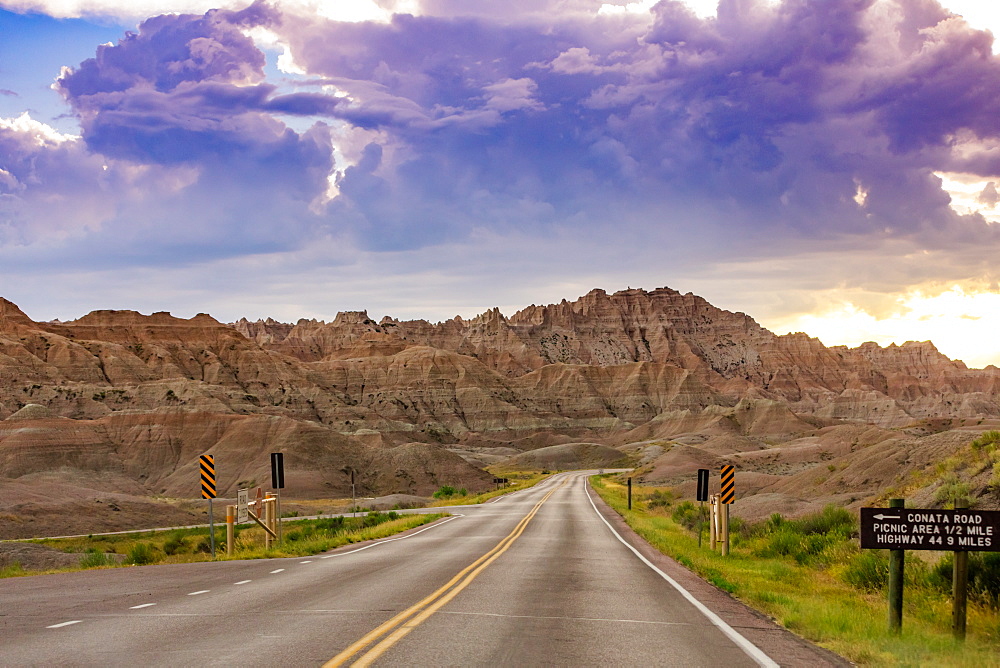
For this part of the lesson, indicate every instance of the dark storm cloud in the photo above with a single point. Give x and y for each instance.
(766, 128)
(815, 119)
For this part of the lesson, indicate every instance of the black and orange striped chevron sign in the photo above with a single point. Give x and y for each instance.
(208, 477)
(728, 484)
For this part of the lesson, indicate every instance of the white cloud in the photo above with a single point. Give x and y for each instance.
(980, 14)
(42, 134)
(512, 94)
(972, 194)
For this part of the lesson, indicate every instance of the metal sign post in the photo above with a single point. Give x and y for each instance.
(278, 483)
(726, 499)
(208, 491)
(703, 497)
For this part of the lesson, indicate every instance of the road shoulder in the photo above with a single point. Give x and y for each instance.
(779, 643)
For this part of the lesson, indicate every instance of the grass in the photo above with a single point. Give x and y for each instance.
(802, 586)
(301, 538)
(520, 480)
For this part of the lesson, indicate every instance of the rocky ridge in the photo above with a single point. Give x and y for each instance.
(139, 397)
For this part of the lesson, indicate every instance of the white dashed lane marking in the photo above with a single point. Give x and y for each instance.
(277, 571)
(59, 626)
(139, 607)
(307, 561)
(243, 582)
(202, 591)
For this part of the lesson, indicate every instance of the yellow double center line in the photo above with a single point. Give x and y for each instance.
(412, 617)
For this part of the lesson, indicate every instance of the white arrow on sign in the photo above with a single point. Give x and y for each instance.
(886, 517)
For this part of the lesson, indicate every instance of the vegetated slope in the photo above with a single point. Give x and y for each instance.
(137, 398)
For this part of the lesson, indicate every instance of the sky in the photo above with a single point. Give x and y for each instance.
(826, 166)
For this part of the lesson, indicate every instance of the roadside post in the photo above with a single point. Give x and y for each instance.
(269, 536)
(354, 502)
(726, 499)
(713, 521)
(960, 531)
(278, 483)
(208, 491)
(230, 529)
(235, 515)
(959, 589)
(630, 493)
(702, 496)
(897, 563)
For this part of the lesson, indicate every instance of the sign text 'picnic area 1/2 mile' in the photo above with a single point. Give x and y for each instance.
(916, 529)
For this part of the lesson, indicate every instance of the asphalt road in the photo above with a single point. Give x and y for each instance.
(538, 578)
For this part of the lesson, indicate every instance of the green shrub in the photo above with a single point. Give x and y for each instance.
(984, 576)
(445, 492)
(660, 499)
(988, 441)
(687, 514)
(868, 570)
(12, 570)
(330, 524)
(952, 490)
(832, 519)
(175, 544)
(141, 554)
(94, 558)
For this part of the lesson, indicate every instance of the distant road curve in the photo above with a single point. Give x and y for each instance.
(540, 579)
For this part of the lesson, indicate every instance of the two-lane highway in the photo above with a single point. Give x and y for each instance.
(538, 578)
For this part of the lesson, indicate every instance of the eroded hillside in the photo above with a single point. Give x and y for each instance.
(411, 405)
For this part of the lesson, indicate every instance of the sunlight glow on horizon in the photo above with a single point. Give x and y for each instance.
(961, 322)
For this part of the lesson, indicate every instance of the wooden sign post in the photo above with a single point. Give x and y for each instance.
(960, 530)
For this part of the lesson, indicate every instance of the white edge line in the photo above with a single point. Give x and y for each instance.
(390, 540)
(143, 605)
(59, 626)
(748, 647)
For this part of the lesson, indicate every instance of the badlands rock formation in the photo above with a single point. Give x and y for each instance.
(136, 398)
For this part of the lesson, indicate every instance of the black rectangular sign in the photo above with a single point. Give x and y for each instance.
(702, 484)
(277, 470)
(915, 529)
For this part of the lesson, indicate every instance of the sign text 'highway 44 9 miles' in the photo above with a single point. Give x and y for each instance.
(961, 530)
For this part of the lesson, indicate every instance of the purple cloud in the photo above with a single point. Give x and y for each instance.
(765, 130)
(186, 94)
(763, 120)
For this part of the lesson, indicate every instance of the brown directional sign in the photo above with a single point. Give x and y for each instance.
(960, 530)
